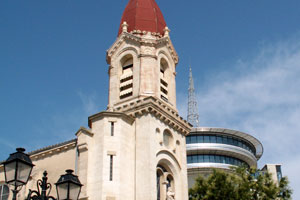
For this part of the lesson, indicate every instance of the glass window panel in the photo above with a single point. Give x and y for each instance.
(194, 159)
(193, 139)
(225, 140)
(230, 140)
(235, 142)
(201, 158)
(218, 159)
(206, 139)
(240, 144)
(213, 139)
(188, 140)
(206, 158)
(201, 139)
(226, 160)
(189, 159)
(219, 139)
(211, 158)
(222, 159)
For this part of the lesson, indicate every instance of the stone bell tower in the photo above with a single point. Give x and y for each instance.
(138, 144)
(142, 60)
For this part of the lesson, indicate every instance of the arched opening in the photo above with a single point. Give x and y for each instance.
(163, 79)
(164, 182)
(126, 78)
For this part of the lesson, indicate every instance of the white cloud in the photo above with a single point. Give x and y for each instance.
(261, 96)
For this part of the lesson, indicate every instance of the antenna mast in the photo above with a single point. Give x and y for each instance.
(193, 116)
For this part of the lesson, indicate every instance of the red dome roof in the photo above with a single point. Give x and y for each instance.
(143, 15)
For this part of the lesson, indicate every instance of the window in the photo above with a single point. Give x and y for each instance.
(206, 158)
(213, 139)
(220, 139)
(126, 79)
(163, 81)
(200, 138)
(188, 140)
(111, 167)
(112, 127)
(4, 192)
(206, 139)
(212, 158)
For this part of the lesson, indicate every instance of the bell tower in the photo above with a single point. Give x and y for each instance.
(138, 143)
(142, 60)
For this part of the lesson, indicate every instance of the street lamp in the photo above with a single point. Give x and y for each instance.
(68, 186)
(17, 169)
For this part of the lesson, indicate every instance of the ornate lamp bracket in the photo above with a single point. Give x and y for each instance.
(41, 192)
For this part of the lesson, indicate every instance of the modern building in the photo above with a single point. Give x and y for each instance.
(219, 148)
(136, 148)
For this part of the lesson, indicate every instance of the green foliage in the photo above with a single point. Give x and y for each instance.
(240, 184)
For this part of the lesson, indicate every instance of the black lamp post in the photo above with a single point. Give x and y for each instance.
(68, 186)
(17, 169)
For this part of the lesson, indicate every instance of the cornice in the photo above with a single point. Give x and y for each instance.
(51, 150)
(84, 130)
(146, 40)
(100, 115)
(159, 109)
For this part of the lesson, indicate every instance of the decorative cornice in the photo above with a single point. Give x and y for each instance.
(148, 39)
(51, 150)
(159, 109)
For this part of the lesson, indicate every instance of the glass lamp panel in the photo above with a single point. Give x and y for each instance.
(10, 169)
(24, 171)
(74, 191)
(62, 191)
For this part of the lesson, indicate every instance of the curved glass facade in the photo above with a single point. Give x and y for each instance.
(220, 139)
(210, 158)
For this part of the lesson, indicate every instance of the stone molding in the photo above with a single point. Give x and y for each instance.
(159, 109)
(103, 114)
(52, 150)
(142, 40)
(84, 130)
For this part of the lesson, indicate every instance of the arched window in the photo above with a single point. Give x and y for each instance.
(126, 79)
(163, 80)
(164, 181)
(4, 192)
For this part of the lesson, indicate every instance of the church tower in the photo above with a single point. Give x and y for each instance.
(136, 149)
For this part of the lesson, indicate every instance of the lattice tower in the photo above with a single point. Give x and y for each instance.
(193, 116)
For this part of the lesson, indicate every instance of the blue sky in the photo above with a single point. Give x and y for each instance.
(245, 57)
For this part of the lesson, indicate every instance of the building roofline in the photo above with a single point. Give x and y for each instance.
(47, 148)
(257, 144)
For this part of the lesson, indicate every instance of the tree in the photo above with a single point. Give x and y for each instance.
(240, 184)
